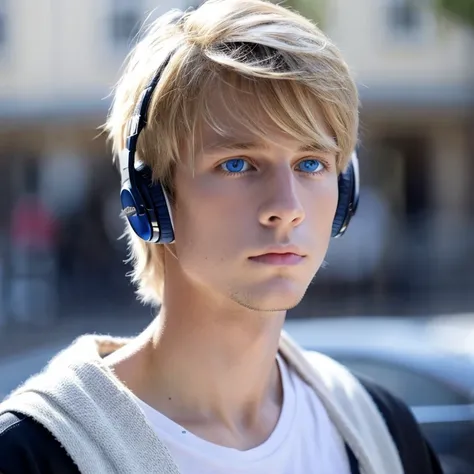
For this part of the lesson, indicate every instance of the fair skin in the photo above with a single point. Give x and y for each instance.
(208, 361)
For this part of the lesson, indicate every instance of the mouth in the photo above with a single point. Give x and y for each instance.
(283, 256)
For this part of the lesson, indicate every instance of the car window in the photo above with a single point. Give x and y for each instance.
(415, 389)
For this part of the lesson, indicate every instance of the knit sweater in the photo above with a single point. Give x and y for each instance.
(96, 419)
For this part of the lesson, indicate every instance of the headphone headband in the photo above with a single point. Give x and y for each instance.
(136, 124)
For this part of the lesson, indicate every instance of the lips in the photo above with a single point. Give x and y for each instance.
(281, 257)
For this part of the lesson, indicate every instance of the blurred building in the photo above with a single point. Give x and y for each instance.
(60, 58)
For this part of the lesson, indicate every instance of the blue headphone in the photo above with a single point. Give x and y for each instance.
(146, 205)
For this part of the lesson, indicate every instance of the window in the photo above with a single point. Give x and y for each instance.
(405, 19)
(404, 16)
(125, 20)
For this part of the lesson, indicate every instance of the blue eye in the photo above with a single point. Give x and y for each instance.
(236, 165)
(309, 166)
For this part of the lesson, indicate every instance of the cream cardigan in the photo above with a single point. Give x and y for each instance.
(95, 418)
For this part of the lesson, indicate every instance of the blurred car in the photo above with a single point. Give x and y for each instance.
(414, 361)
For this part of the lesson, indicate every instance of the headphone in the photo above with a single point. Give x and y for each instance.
(145, 203)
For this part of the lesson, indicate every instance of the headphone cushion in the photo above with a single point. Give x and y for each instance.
(162, 213)
(346, 187)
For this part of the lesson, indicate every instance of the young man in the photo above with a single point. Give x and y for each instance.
(234, 125)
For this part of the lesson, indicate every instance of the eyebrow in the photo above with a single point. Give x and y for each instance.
(256, 145)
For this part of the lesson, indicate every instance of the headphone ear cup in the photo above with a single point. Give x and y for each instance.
(346, 185)
(158, 208)
(134, 210)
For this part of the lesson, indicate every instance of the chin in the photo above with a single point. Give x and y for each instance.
(275, 296)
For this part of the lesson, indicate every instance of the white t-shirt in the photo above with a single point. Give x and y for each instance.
(304, 440)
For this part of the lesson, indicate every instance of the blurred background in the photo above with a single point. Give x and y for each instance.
(402, 277)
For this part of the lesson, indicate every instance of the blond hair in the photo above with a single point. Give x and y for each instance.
(255, 46)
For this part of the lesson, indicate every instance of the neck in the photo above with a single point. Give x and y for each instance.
(226, 353)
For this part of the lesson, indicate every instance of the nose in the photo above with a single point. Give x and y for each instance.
(281, 205)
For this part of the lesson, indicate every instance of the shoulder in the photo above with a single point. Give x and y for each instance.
(27, 447)
(415, 452)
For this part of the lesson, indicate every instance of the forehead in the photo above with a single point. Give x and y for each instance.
(248, 111)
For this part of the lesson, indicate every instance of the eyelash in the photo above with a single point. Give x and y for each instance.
(325, 168)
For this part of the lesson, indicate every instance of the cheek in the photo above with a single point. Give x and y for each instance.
(322, 209)
(333, 199)
(206, 221)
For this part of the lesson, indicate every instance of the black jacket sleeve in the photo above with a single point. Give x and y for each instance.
(26, 447)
